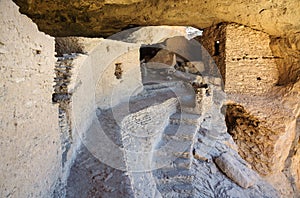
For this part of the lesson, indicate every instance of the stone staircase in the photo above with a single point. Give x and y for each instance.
(173, 153)
(175, 178)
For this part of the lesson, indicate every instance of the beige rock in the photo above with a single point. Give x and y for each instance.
(122, 2)
(82, 17)
(195, 66)
(163, 59)
(236, 171)
(282, 184)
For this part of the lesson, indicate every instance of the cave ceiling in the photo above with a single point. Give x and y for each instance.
(102, 18)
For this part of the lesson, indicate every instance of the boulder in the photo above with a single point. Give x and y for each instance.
(235, 170)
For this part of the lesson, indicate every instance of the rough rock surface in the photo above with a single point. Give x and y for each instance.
(267, 132)
(103, 18)
(288, 51)
(236, 170)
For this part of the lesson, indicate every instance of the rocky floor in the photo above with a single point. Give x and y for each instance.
(193, 155)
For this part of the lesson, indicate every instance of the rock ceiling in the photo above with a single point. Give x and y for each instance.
(106, 17)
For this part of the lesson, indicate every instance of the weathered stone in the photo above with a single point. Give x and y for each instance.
(236, 171)
(102, 18)
(30, 140)
(163, 59)
(108, 74)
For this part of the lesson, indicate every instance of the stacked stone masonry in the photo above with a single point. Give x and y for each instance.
(261, 110)
(250, 64)
(255, 141)
(243, 57)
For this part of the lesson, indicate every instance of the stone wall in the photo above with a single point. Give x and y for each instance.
(213, 53)
(256, 142)
(29, 136)
(250, 64)
(141, 133)
(121, 78)
(107, 74)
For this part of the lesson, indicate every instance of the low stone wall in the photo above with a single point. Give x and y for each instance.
(30, 161)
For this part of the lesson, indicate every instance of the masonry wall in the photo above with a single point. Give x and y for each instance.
(29, 137)
(121, 78)
(213, 50)
(107, 74)
(250, 65)
(94, 83)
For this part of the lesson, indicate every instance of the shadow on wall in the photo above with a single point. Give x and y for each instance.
(288, 63)
(68, 45)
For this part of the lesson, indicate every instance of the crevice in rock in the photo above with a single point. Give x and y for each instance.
(295, 147)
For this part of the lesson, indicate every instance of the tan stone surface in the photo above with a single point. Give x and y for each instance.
(250, 64)
(288, 52)
(163, 59)
(282, 184)
(95, 18)
(29, 137)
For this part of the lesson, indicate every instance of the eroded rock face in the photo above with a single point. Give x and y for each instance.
(288, 52)
(103, 18)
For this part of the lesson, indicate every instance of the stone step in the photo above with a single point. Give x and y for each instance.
(180, 132)
(175, 179)
(177, 142)
(176, 195)
(185, 118)
(171, 161)
(161, 86)
(177, 190)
